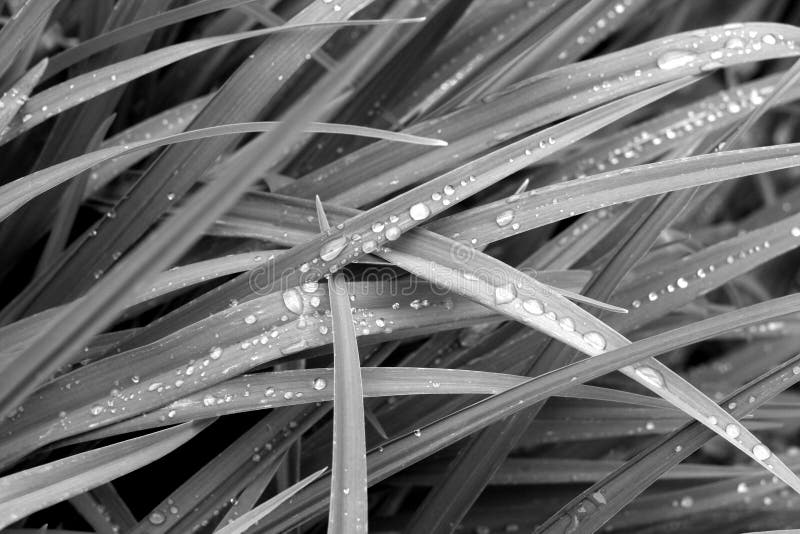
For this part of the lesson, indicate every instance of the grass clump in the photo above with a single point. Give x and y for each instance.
(374, 265)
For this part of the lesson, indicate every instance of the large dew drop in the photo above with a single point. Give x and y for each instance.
(675, 59)
(761, 452)
(293, 300)
(505, 294)
(332, 248)
(505, 218)
(533, 306)
(650, 375)
(595, 339)
(419, 211)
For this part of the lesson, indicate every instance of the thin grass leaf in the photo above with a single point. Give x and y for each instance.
(349, 508)
(89, 47)
(243, 523)
(557, 202)
(22, 24)
(22, 190)
(173, 120)
(423, 442)
(15, 97)
(25, 492)
(694, 275)
(75, 91)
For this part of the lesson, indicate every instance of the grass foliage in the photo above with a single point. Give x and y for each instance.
(399, 266)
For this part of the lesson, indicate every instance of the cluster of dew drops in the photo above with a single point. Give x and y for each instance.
(683, 282)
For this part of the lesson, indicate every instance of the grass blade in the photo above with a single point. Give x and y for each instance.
(349, 509)
(25, 492)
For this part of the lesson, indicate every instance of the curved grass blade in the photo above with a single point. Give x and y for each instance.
(407, 450)
(23, 23)
(349, 510)
(14, 335)
(307, 386)
(251, 518)
(538, 207)
(648, 140)
(77, 90)
(71, 56)
(609, 495)
(15, 97)
(678, 283)
(22, 190)
(36, 488)
(173, 120)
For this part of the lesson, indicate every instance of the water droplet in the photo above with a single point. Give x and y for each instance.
(768, 39)
(392, 233)
(332, 248)
(533, 306)
(732, 431)
(595, 339)
(250, 319)
(741, 488)
(687, 502)
(682, 283)
(567, 324)
(377, 227)
(156, 518)
(293, 300)
(320, 384)
(734, 42)
(419, 211)
(650, 375)
(761, 452)
(96, 409)
(674, 59)
(505, 294)
(505, 218)
(449, 190)
(796, 231)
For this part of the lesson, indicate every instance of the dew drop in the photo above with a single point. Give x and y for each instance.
(796, 231)
(650, 375)
(682, 283)
(567, 324)
(250, 319)
(377, 227)
(293, 300)
(595, 339)
(768, 39)
(674, 59)
(687, 502)
(533, 306)
(310, 287)
(332, 248)
(505, 218)
(320, 384)
(419, 211)
(156, 518)
(392, 233)
(505, 294)
(732, 431)
(761, 452)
